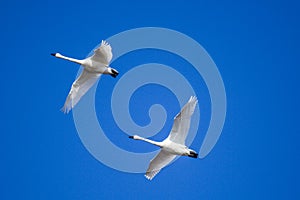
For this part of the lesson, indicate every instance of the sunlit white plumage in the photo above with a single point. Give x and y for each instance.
(94, 66)
(174, 144)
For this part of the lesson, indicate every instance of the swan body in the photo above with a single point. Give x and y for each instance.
(174, 144)
(94, 66)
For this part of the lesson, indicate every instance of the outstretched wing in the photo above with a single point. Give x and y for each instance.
(162, 159)
(103, 53)
(182, 121)
(79, 87)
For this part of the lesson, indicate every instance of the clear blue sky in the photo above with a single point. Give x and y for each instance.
(255, 45)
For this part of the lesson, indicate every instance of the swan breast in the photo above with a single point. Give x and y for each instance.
(175, 148)
(94, 66)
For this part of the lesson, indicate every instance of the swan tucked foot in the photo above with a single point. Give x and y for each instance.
(193, 154)
(114, 73)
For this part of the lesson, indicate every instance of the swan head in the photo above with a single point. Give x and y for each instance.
(135, 137)
(56, 54)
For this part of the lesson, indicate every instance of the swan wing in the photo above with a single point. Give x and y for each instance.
(103, 53)
(182, 121)
(162, 159)
(79, 87)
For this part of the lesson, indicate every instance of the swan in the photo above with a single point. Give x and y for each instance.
(174, 144)
(94, 66)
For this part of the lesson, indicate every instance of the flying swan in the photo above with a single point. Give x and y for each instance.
(94, 66)
(174, 144)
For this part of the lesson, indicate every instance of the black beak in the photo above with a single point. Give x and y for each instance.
(131, 137)
(53, 54)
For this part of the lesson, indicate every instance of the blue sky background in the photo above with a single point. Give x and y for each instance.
(255, 45)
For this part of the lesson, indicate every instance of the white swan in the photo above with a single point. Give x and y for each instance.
(93, 66)
(174, 144)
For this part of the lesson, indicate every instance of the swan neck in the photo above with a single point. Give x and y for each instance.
(150, 141)
(70, 59)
